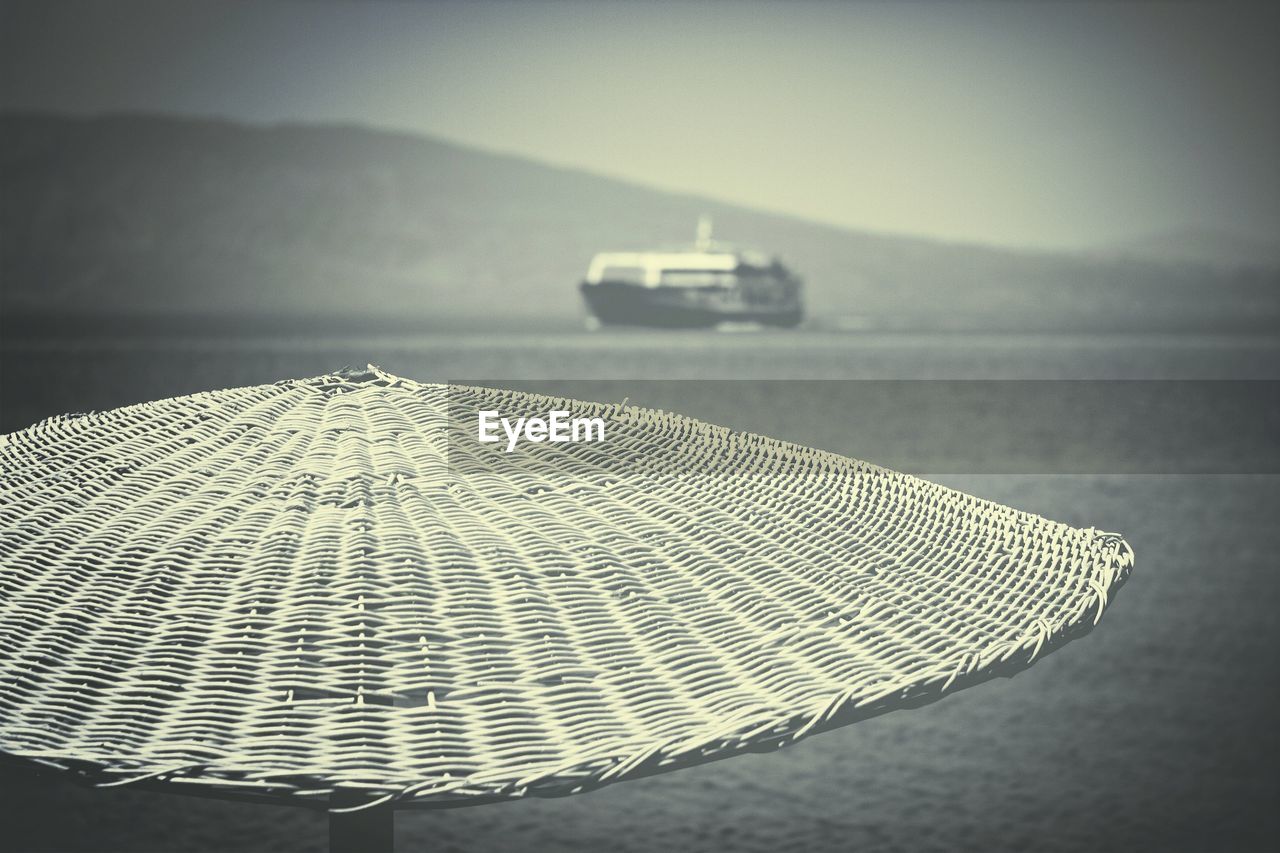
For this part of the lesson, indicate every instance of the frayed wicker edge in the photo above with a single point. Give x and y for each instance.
(751, 734)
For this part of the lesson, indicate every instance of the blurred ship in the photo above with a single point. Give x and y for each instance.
(706, 284)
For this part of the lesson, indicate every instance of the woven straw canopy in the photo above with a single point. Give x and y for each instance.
(329, 583)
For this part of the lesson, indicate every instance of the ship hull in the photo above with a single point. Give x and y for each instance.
(616, 303)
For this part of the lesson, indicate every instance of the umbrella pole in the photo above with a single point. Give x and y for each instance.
(370, 830)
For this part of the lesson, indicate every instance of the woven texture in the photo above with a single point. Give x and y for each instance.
(287, 588)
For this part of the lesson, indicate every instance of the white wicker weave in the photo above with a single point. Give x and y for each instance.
(327, 582)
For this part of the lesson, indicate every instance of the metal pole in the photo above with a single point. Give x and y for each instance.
(370, 830)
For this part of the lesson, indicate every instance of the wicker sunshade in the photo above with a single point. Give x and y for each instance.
(329, 583)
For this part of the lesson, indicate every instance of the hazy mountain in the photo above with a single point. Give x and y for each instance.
(1208, 246)
(137, 215)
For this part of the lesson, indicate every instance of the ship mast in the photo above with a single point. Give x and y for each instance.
(704, 233)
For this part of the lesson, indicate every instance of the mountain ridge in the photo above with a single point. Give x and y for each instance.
(138, 215)
(1213, 247)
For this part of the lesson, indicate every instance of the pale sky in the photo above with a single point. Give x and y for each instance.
(1047, 125)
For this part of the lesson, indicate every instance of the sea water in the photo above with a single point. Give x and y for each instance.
(1104, 744)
